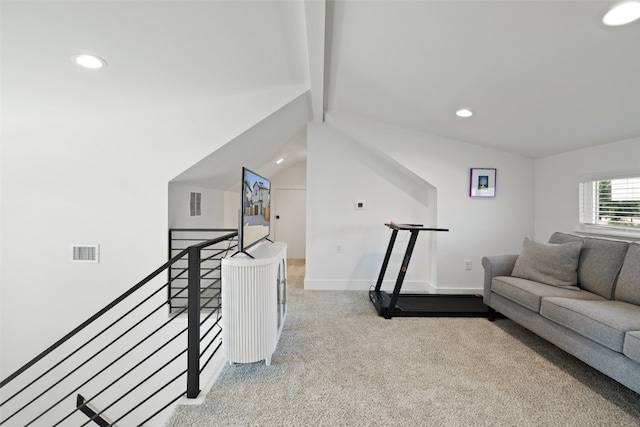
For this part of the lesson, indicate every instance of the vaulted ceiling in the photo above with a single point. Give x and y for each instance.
(543, 77)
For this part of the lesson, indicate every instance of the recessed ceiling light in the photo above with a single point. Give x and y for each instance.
(464, 112)
(86, 60)
(622, 13)
(280, 160)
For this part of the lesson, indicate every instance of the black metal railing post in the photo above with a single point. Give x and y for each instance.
(193, 324)
(198, 270)
(95, 417)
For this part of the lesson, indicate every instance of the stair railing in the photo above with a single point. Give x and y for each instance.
(180, 239)
(121, 356)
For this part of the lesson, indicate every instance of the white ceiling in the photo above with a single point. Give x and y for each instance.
(221, 167)
(543, 77)
(183, 78)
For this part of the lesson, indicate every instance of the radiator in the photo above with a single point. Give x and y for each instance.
(253, 303)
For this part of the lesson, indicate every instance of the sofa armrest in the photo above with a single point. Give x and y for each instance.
(499, 265)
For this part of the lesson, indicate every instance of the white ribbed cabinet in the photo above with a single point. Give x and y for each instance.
(254, 303)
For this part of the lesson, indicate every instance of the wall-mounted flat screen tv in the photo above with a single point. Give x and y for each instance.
(254, 210)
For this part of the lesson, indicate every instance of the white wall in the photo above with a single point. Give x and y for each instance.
(336, 177)
(557, 177)
(293, 176)
(219, 208)
(99, 175)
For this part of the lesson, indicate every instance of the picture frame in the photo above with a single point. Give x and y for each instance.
(482, 182)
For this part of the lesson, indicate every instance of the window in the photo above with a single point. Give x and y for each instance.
(613, 203)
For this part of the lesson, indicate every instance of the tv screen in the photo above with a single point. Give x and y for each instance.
(255, 209)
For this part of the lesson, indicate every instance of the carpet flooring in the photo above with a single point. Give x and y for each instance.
(339, 364)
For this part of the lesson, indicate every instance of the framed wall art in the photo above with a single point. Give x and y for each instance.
(483, 182)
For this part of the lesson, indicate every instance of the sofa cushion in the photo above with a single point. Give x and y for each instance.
(631, 347)
(549, 263)
(628, 285)
(605, 322)
(529, 293)
(600, 262)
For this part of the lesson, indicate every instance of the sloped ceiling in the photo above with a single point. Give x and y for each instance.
(281, 135)
(186, 76)
(543, 77)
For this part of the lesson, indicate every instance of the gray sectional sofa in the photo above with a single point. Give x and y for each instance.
(581, 294)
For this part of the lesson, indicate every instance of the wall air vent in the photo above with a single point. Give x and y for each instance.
(85, 253)
(195, 205)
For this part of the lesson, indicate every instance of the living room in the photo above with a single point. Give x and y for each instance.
(87, 155)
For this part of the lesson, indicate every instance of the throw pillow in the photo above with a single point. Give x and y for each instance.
(549, 263)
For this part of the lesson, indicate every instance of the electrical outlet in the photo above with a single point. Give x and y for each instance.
(338, 249)
(467, 264)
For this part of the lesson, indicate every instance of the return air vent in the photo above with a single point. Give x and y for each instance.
(195, 205)
(85, 253)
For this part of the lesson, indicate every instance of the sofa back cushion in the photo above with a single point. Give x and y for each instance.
(628, 286)
(600, 262)
(549, 263)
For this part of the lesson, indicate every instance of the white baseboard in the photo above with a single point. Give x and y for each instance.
(452, 290)
(387, 285)
(208, 378)
(363, 285)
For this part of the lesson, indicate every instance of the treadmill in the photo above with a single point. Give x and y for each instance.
(419, 305)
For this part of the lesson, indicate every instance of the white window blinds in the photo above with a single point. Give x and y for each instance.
(611, 203)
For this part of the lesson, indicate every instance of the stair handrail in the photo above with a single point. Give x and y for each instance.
(93, 318)
(193, 249)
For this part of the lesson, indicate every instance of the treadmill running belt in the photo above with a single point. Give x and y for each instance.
(441, 303)
(429, 305)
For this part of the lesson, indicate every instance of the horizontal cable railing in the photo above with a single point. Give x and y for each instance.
(131, 359)
(180, 239)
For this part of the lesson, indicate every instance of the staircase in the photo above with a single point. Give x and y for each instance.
(132, 361)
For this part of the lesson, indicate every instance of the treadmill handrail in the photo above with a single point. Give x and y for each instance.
(410, 227)
(414, 229)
